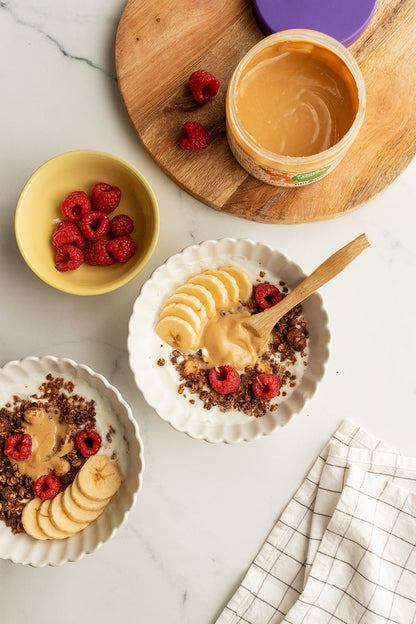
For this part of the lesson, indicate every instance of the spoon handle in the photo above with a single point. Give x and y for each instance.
(265, 321)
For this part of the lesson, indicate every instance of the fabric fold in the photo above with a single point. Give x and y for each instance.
(364, 570)
(278, 574)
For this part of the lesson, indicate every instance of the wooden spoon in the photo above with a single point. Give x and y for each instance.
(261, 324)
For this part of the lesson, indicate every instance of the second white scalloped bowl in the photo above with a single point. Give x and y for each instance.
(159, 384)
(23, 378)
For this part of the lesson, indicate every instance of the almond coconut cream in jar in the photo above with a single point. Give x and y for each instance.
(295, 104)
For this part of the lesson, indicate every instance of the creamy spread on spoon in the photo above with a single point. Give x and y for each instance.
(226, 340)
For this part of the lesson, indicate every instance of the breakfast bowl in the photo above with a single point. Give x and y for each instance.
(154, 362)
(39, 211)
(23, 382)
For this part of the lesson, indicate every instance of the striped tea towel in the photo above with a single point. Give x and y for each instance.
(291, 579)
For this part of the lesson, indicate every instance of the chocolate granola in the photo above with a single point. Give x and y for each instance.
(77, 412)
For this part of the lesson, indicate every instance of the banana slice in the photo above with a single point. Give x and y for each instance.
(191, 301)
(76, 513)
(83, 501)
(215, 287)
(60, 519)
(45, 522)
(184, 312)
(99, 478)
(178, 333)
(229, 282)
(243, 280)
(30, 519)
(202, 293)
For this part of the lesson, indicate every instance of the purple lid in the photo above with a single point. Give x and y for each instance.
(343, 20)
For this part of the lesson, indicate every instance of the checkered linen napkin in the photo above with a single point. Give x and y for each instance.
(344, 549)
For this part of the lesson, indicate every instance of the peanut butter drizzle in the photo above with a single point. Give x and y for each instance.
(227, 341)
(49, 443)
(296, 99)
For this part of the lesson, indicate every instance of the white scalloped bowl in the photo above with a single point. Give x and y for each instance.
(159, 384)
(24, 377)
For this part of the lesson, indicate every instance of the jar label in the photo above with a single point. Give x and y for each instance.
(311, 175)
(276, 177)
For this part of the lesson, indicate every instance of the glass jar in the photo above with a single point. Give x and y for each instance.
(288, 170)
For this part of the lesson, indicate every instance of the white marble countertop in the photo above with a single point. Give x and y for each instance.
(204, 510)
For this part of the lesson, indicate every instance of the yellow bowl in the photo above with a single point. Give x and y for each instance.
(39, 209)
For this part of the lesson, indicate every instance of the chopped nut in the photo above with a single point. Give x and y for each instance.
(191, 367)
(263, 367)
(32, 414)
(62, 466)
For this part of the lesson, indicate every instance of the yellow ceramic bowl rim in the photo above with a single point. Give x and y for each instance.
(122, 280)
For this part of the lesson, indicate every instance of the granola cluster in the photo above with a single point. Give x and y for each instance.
(77, 412)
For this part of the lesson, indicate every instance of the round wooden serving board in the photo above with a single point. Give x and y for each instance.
(159, 44)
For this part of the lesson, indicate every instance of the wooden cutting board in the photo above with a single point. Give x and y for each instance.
(159, 44)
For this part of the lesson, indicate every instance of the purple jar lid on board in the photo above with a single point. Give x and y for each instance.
(344, 20)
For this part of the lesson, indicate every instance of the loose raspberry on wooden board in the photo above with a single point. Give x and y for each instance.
(194, 136)
(203, 85)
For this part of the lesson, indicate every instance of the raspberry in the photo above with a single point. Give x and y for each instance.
(96, 254)
(266, 386)
(122, 248)
(105, 197)
(203, 85)
(94, 225)
(88, 442)
(224, 379)
(193, 136)
(67, 232)
(267, 295)
(68, 258)
(18, 446)
(121, 225)
(47, 486)
(75, 206)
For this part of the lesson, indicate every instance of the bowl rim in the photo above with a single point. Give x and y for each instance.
(226, 433)
(155, 234)
(110, 387)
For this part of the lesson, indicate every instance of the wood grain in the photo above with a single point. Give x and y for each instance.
(156, 51)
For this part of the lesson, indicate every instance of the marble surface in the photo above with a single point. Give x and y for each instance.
(204, 510)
